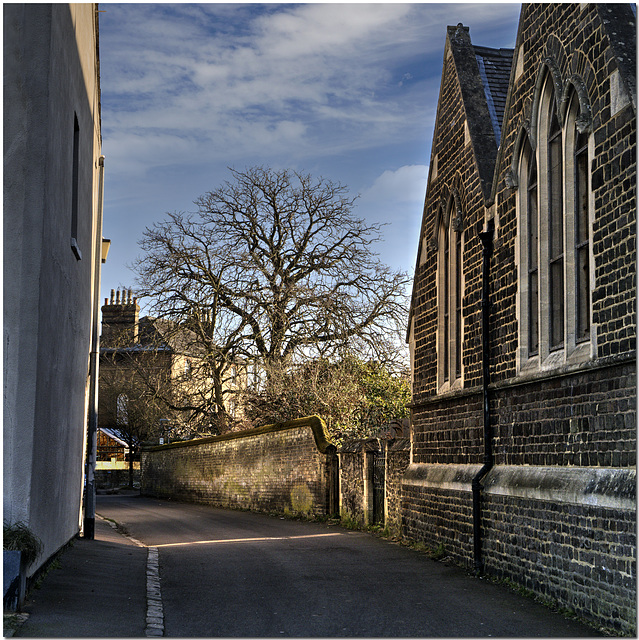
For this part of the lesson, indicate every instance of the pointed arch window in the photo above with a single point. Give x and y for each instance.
(532, 251)
(450, 283)
(555, 231)
(445, 306)
(555, 212)
(582, 238)
(457, 351)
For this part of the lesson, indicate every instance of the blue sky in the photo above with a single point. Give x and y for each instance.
(344, 91)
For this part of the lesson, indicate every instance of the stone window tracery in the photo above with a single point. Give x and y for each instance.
(554, 202)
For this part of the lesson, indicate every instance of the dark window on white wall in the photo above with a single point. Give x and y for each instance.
(75, 188)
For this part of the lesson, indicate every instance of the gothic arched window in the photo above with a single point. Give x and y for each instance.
(450, 284)
(553, 204)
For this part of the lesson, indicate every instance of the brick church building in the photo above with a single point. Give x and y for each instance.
(523, 314)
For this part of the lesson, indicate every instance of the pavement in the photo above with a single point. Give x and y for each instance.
(96, 588)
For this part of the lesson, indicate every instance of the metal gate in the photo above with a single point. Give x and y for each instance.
(379, 486)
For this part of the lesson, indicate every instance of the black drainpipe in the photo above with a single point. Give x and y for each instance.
(486, 238)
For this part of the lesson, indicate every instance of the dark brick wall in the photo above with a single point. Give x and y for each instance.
(580, 556)
(397, 461)
(436, 517)
(282, 468)
(449, 429)
(585, 418)
(559, 418)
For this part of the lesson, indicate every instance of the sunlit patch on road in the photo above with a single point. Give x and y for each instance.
(267, 539)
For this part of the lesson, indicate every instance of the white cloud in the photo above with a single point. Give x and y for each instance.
(230, 78)
(406, 184)
(346, 91)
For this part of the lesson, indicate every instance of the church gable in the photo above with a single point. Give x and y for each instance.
(467, 130)
(570, 87)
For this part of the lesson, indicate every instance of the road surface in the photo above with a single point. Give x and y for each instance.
(237, 574)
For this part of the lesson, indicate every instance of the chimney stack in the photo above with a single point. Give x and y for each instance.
(120, 319)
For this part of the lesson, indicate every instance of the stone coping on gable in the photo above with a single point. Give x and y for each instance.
(315, 423)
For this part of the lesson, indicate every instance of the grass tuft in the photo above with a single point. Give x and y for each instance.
(18, 537)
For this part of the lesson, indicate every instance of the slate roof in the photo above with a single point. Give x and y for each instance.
(494, 70)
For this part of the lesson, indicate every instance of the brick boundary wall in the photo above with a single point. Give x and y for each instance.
(355, 473)
(285, 468)
(397, 461)
(566, 533)
(355, 479)
(559, 507)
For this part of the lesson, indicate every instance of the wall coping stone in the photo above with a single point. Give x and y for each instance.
(604, 487)
(608, 488)
(454, 477)
(315, 423)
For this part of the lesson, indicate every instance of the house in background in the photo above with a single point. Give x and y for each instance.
(113, 451)
(52, 225)
(147, 364)
(523, 316)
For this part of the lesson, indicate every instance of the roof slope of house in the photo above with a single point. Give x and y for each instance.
(111, 434)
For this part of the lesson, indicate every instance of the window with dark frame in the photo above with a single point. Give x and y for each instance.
(533, 248)
(555, 231)
(75, 186)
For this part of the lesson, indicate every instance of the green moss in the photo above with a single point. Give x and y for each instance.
(317, 425)
(301, 498)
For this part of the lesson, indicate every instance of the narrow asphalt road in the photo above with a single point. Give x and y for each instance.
(237, 574)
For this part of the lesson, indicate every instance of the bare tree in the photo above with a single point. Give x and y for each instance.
(130, 402)
(273, 268)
